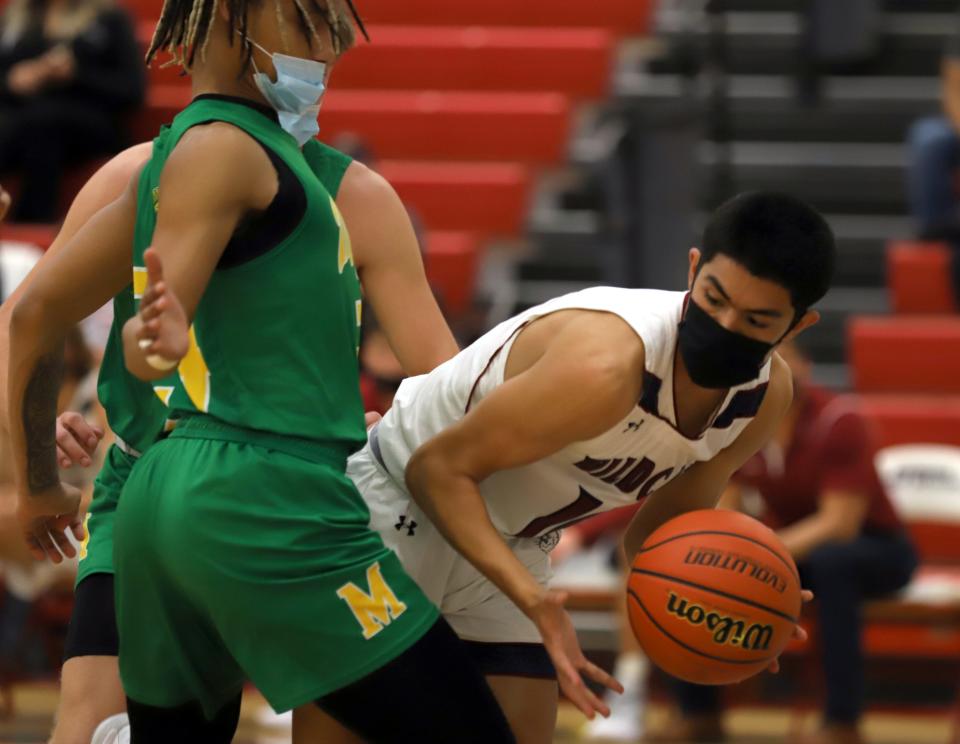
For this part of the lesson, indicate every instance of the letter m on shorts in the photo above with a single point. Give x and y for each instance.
(376, 610)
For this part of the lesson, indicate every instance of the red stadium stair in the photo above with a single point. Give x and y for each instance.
(623, 16)
(919, 277)
(576, 62)
(451, 263)
(486, 198)
(526, 127)
(905, 354)
(910, 419)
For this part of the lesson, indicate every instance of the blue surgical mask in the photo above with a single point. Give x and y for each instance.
(296, 94)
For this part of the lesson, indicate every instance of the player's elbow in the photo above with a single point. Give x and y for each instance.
(421, 469)
(430, 471)
(28, 319)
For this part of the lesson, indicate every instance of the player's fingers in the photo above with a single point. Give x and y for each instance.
(800, 633)
(596, 704)
(33, 546)
(67, 444)
(59, 534)
(63, 459)
(774, 667)
(601, 677)
(45, 542)
(79, 530)
(87, 435)
(578, 693)
(153, 310)
(806, 595)
(154, 266)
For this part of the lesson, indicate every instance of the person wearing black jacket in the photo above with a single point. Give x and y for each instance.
(69, 71)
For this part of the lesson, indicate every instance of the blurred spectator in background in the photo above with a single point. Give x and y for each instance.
(934, 173)
(69, 70)
(380, 370)
(838, 37)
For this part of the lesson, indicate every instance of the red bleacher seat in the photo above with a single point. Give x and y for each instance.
(905, 354)
(38, 235)
(905, 419)
(623, 16)
(526, 127)
(451, 264)
(919, 277)
(626, 16)
(147, 11)
(573, 61)
(488, 198)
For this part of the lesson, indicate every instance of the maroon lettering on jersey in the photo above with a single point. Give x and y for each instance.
(626, 475)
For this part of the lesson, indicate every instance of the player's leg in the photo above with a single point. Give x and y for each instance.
(251, 572)
(530, 706)
(429, 694)
(181, 682)
(151, 725)
(90, 689)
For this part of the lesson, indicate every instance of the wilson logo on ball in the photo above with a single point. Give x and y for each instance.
(726, 630)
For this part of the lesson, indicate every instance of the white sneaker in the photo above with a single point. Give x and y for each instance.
(626, 711)
(113, 730)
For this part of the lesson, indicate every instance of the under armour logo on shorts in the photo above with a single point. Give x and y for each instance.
(410, 526)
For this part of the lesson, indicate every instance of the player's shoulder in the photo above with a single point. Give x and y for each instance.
(224, 161)
(130, 161)
(779, 393)
(363, 184)
(606, 340)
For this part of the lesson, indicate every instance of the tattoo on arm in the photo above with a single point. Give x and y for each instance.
(40, 421)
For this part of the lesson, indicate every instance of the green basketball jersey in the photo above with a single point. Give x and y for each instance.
(134, 412)
(274, 341)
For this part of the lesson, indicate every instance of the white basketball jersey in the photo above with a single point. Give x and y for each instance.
(642, 453)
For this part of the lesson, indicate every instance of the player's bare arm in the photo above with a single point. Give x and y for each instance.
(105, 186)
(701, 486)
(73, 282)
(215, 176)
(390, 267)
(594, 365)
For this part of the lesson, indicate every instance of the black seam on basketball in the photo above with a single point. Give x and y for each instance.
(689, 648)
(791, 569)
(718, 592)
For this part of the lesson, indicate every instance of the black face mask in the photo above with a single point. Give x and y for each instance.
(716, 357)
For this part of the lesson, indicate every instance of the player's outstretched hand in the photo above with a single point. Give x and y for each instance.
(560, 640)
(164, 334)
(45, 518)
(799, 633)
(76, 440)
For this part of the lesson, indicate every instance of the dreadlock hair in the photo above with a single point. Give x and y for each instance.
(185, 27)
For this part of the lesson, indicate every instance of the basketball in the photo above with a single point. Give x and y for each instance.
(713, 597)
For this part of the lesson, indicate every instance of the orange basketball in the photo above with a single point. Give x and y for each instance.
(713, 597)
